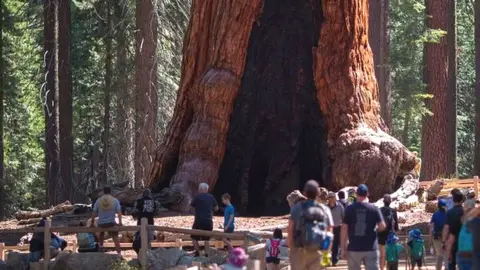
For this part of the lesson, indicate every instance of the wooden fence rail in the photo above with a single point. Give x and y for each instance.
(144, 228)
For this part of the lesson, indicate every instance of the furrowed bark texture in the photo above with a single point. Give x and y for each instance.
(477, 88)
(436, 139)
(52, 148)
(146, 103)
(254, 79)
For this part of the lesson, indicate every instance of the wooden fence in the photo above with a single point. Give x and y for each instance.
(245, 237)
(456, 183)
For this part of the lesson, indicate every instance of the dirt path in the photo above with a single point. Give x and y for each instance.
(430, 265)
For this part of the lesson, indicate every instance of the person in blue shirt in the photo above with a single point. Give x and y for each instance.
(229, 215)
(436, 228)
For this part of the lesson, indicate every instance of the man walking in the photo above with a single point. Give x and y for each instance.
(204, 204)
(309, 221)
(360, 230)
(106, 207)
(337, 215)
(452, 228)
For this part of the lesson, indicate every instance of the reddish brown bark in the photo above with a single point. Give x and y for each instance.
(379, 36)
(145, 91)
(436, 129)
(247, 118)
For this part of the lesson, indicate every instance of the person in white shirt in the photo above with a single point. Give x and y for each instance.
(273, 249)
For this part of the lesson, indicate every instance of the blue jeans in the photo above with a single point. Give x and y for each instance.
(464, 263)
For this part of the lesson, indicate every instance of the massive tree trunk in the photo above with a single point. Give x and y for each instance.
(477, 87)
(146, 91)
(436, 129)
(451, 108)
(379, 36)
(66, 186)
(52, 147)
(273, 93)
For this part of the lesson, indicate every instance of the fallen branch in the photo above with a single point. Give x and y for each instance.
(60, 208)
(29, 221)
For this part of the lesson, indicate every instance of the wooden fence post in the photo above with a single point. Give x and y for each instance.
(144, 243)
(46, 247)
(178, 243)
(2, 251)
(245, 242)
(475, 186)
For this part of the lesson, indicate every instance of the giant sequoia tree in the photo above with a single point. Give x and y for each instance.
(274, 92)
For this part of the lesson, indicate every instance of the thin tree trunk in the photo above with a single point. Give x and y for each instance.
(379, 37)
(436, 138)
(108, 86)
(451, 108)
(65, 101)
(406, 125)
(2, 72)
(125, 150)
(477, 87)
(52, 147)
(145, 88)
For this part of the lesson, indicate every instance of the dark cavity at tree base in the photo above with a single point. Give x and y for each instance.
(277, 135)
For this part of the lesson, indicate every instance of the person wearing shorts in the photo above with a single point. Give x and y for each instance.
(106, 208)
(204, 204)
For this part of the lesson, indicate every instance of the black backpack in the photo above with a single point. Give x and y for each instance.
(388, 217)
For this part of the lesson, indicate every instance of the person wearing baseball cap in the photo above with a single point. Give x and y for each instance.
(337, 215)
(360, 225)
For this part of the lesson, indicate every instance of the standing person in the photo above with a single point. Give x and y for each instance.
(337, 215)
(393, 250)
(204, 204)
(309, 230)
(417, 248)
(465, 240)
(351, 196)
(473, 224)
(229, 218)
(272, 247)
(341, 198)
(106, 207)
(391, 222)
(452, 227)
(145, 207)
(436, 226)
(359, 229)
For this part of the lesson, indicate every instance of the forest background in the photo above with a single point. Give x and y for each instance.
(104, 83)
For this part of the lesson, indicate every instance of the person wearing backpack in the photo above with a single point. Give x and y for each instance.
(417, 248)
(392, 251)
(391, 222)
(452, 227)
(436, 226)
(86, 241)
(360, 225)
(309, 230)
(272, 247)
(465, 240)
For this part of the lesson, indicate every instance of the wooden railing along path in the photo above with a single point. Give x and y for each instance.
(235, 237)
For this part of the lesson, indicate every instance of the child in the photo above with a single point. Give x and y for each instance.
(392, 253)
(417, 249)
(237, 260)
(273, 249)
(229, 221)
(86, 241)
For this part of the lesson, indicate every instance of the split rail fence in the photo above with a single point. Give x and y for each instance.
(238, 238)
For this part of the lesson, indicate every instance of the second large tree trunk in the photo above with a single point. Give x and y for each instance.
(274, 93)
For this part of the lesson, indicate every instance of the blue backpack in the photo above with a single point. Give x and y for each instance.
(465, 241)
(311, 228)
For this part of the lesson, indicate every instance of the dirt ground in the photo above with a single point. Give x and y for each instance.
(429, 260)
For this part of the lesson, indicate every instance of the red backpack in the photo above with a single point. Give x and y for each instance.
(275, 247)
